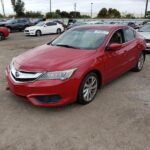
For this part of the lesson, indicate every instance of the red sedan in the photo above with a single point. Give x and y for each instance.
(76, 64)
(3, 33)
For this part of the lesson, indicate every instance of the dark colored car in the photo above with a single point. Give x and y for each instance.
(16, 24)
(76, 64)
(3, 33)
(76, 25)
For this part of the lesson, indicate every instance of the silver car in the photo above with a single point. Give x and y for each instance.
(145, 32)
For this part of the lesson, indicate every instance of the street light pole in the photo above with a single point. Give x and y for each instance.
(91, 10)
(146, 8)
(75, 9)
(50, 6)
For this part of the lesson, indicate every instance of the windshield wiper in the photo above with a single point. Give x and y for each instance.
(65, 45)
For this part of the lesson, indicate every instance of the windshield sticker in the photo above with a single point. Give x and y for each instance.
(100, 31)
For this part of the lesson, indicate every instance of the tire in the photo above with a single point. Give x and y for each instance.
(2, 37)
(38, 33)
(58, 31)
(140, 63)
(89, 85)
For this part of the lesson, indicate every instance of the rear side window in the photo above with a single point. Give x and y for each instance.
(129, 35)
(51, 23)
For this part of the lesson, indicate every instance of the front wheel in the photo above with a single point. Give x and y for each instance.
(88, 89)
(140, 63)
(38, 33)
(2, 37)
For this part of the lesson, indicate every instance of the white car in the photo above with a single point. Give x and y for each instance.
(145, 32)
(44, 27)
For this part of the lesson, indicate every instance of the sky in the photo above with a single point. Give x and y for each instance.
(129, 6)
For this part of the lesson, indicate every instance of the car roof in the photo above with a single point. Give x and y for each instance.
(103, 27)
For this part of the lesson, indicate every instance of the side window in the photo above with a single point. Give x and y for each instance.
(129, 35)
(117, 37)
(51, 24)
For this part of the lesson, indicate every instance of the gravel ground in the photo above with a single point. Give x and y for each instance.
(118, 119)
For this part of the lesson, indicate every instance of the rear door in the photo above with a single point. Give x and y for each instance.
(51, 27)
(132, 47)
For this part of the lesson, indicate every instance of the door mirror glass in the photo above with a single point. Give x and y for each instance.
(115, 46)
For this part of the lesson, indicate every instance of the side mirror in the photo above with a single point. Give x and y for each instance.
(45, 26)
(115, 46)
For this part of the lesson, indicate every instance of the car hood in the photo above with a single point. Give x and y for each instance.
(52, 58)
(33, 28)
(146, 35)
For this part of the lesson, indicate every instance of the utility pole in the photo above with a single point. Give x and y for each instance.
(50, 6)
(75, 9)
(91, 10)
(146, 8)
(2, 3)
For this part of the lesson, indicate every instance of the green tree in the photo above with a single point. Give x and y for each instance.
(113, 13)
(32, 14)
(129, 16)
(18, 7)
(74, 14)
(102, 13)
(64, 14)
(52, 15)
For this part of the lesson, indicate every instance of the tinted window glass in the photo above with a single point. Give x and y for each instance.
(129, 35)
(51, 23)
(117, 37)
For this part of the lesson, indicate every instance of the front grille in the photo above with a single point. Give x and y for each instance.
(23, 76)
(23, 79)
(48, 99)
(26, 30)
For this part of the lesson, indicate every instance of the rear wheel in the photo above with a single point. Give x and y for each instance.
(38, 33)
(2, 37)
(140, 63)
(58, 31)
(88, 89)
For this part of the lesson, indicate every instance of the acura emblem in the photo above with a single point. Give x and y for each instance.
(17, 74)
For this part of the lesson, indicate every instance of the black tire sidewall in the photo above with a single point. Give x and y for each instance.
(59, 31)
(80, 98)
(38, 31)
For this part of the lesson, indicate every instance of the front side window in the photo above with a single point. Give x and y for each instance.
(82, 38)
(129, 35)
(117, 37)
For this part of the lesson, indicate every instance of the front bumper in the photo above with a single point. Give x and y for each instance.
(29, 32)
(67, 90)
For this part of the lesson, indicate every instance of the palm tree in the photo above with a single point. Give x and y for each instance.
(2, 4)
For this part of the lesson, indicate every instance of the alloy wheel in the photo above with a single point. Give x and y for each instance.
(90, 88)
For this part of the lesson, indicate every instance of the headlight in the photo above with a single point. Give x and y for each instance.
(32, 30)
(58, 75)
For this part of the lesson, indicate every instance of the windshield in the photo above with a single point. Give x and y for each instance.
(82, 38)
(40, 24)
(146, 28)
